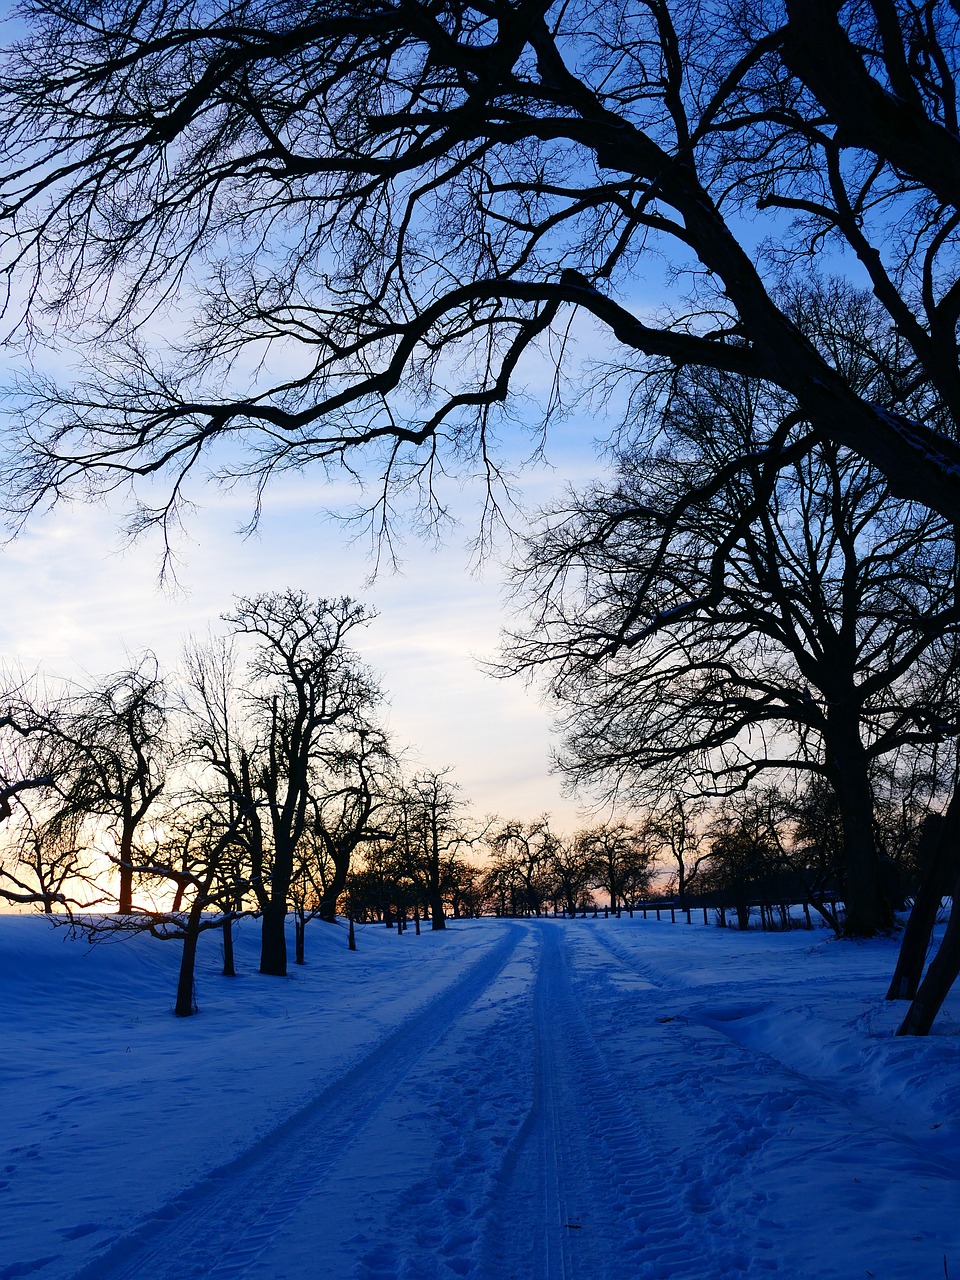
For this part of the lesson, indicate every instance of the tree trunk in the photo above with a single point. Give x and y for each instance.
(742, 908)
(327, 910)
(437, 918)
(940, 976)
(867, 909)
(273, 940)
(300, 929)
(942, 870)
(186, 1002)
(229, 966)
(125, 896)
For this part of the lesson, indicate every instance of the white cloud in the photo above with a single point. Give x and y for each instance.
(75, 603)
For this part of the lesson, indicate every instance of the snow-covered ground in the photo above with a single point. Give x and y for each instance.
(509, 1100)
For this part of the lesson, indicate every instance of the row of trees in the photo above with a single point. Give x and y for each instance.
(765, 847)
(250, 786)
(524, 869)
(769, 847)
(261, 782)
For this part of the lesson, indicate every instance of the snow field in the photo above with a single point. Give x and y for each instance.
(528, 1099)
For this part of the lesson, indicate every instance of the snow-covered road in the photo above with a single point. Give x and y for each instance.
(528, 1100)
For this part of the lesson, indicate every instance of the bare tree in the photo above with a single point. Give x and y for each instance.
(520, 871)
(673, 826)
(939, 877)
(42, 864)
(466, 889)
(107, 749)
(734, 620)
(621, 859)
(431, 829)
(190, 856)
(351, 800)
(303, 702)
(213, 729)
(313, 875)
(805, 834)
(742, 852)
(378, 884)
(34, 868)
(571, 873)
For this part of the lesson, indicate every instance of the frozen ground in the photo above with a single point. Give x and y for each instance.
(512, 1100)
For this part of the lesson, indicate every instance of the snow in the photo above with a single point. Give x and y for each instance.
(529, 1099)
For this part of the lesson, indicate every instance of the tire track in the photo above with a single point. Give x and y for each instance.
(630, 961)
(218, 1227)
(581, 1168)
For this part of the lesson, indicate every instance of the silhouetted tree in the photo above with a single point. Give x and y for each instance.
(432, 828)
(521, 854)
(34, 866)
(731, 620)
(742, 853)
(192, 856)
(571, 872)
(350, 800)
(43, 865)
(106, 749)
(621, 859)
(305, 696)
(673, 827)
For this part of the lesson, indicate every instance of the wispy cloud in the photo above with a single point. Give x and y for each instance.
(76, 603)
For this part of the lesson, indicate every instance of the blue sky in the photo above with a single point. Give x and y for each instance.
(77, 601)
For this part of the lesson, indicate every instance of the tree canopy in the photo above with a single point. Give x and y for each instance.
(361, 217)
